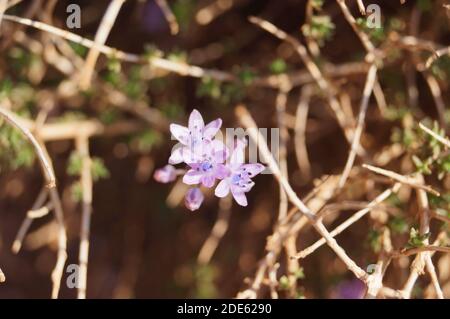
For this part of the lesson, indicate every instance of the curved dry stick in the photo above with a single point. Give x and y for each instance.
(402, 179)
(368, 88)
(51, 184)
(170, 17)
(315, 72)
(437, 54)
(370, 48)
(100, 38)
(12, 119)
(40, 200)
(168, 65)
(416, 250)
(247, 121)
(286, 230)
(353, 219)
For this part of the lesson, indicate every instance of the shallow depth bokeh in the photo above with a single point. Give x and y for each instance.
(144, 243)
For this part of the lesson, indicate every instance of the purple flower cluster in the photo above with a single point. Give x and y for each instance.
(208, 160)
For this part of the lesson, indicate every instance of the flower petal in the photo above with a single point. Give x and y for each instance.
(252, 169)
(193, 199)
(192, 177)
(245, 185)
(166, 174)
(212, 128)
(191, 156)
(219, 151)
(177, 155)
(181, 133)
(222, 189)
(208, 181)
(196, 123)
(239, 196)
(221, 171)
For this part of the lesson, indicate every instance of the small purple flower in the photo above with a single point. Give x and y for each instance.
(192, 138)
(206, 159)
(238, 180)
(350, 289)
(193, 199)
(166, 174)
(209, 166)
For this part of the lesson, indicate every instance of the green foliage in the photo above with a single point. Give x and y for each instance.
(424, 5)
(109, 115)
(284, 281)
(396, 24)
(278, 66)
(440, 204)
(76, 192)
(145, 141)
(441, 68)
(246, 75)
(204, 281)
(129, 81)
(15, 150)
(184, 11)
(415, 239)
(393, 113)
(113, 74)
(317, 4)
(430, 156)
(406, 137)
(74, 165)
(98, 168)
(376, 35)
(178, 56)
(172, 110)
(135, 87)
(394, 200)
(424, 166)
(70, 116)
(374, 240)
(398, 225)
(19, 60)
(6, 87)
(321, 29)
(152, 51)
(79, 49)
(209, 88)
(223, 93)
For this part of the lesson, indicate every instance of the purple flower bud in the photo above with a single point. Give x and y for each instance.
(166, 174)
(194, 198)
